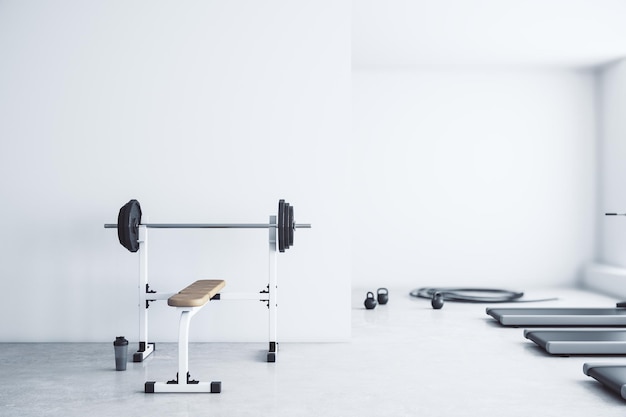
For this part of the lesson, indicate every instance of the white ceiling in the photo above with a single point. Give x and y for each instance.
(437, 34)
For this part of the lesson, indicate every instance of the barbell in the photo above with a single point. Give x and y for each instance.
(129, 220)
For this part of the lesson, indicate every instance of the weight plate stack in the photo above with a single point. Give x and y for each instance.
(128, 222)
(281, 225)
(288, 223)
(292, 228)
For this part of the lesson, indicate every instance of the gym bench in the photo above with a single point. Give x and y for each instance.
(188, 301)
(133, 235)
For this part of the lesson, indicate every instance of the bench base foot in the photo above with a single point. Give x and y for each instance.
(273, 351)
(214, 387)
(140, 355)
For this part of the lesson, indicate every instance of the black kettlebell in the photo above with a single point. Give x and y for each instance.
(370, 302)
(383, 295)
(437, 301)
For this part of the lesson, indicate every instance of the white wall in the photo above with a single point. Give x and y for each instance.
(612, 101)
(205, 111)
(473, 177)
(609, 273)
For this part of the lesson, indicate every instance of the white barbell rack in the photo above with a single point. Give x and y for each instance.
(269, 295)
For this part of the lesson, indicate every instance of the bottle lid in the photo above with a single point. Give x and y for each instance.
(120, 341)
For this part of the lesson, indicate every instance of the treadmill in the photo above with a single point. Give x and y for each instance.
(558, 316)
(612, 376)
(579, 341)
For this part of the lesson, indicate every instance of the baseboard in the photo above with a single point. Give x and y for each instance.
(606, 279)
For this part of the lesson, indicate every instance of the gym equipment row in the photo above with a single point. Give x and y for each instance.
(133, 235)
(595, 341)
(565, 340)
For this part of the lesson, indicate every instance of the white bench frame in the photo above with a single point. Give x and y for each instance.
(146, 348)
(271, 296)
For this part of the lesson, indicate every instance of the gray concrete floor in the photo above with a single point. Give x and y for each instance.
(403, 359)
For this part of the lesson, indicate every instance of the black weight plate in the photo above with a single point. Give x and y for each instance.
(287, 223)
(286, 230)
(122, 219)
(128, 222)
(291, 228)
(281, 225)
(133, 225)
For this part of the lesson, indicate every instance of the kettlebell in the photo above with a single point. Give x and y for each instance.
(437, 301)
(383, 295)
(370, 302)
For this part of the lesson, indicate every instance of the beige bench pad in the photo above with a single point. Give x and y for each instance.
(197, 294)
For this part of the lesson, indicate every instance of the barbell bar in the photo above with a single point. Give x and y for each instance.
(129, 220)
(211, 225)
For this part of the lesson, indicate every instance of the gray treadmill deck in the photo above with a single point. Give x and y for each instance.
(559, 316)
(579, 342)
(613, 376)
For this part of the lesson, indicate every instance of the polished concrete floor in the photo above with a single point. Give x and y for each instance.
(404, 359)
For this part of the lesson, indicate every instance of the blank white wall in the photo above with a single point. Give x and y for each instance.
(609, 273)
(612, 100)
(472, 177)
(205, 111)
